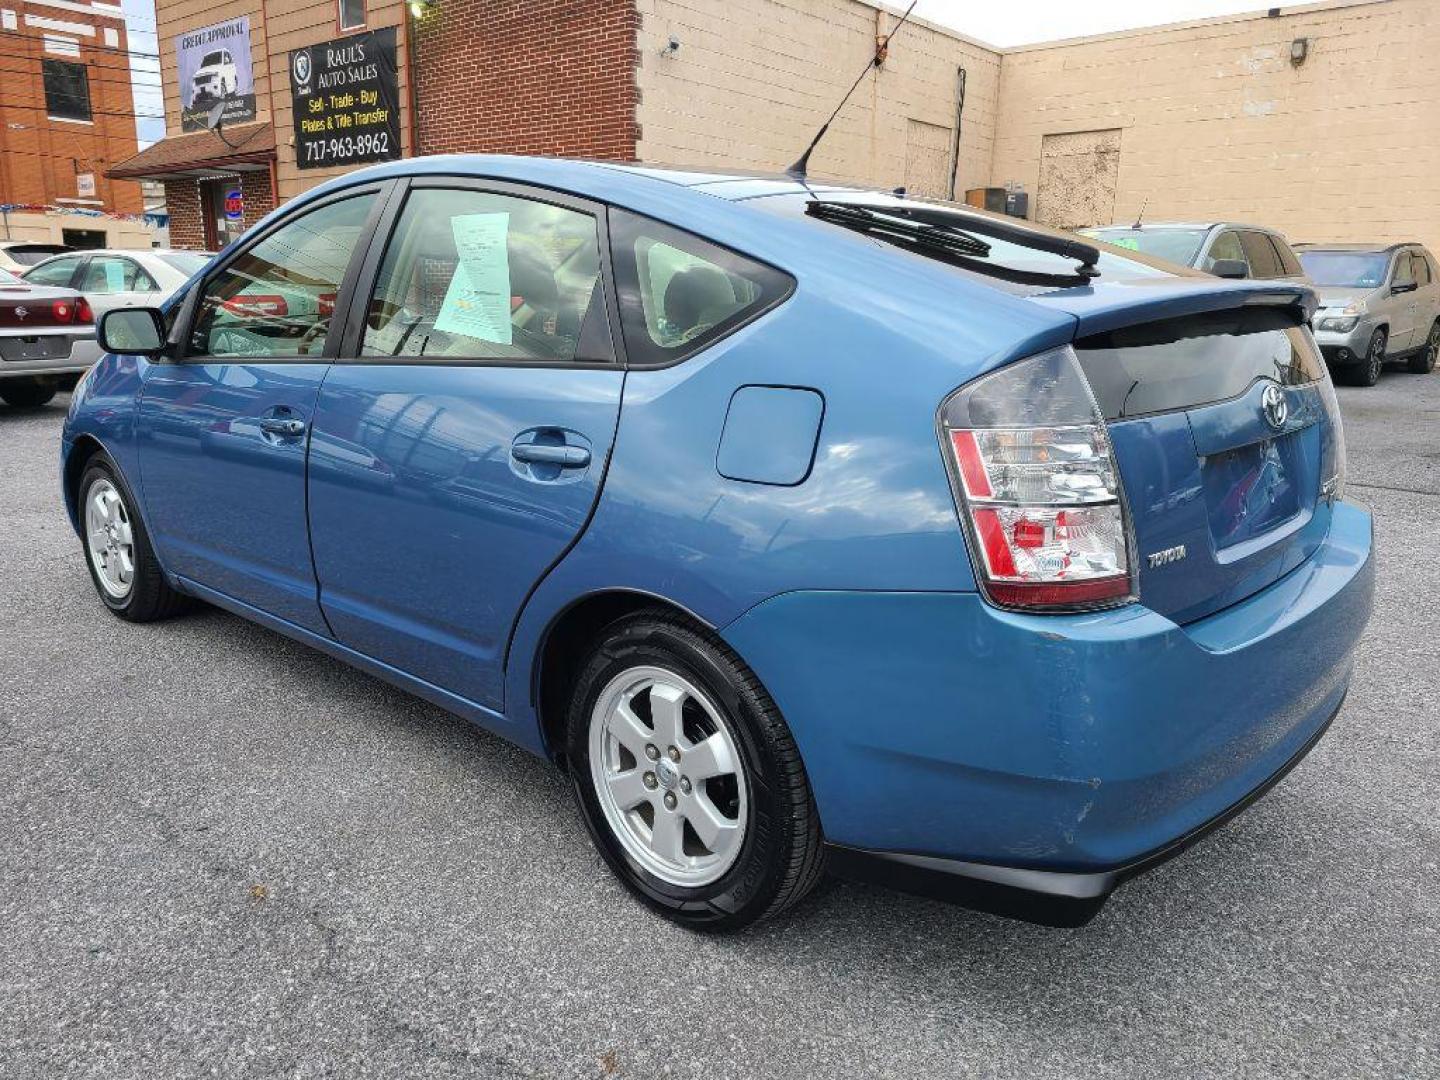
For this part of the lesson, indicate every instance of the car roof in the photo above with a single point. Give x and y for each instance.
(1245, 225)
(1376, 249)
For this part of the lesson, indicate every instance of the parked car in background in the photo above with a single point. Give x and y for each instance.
(800, 524)
(1379, 302)
(117, 278)
(19, 255)
(47, 338)
(1223, 248)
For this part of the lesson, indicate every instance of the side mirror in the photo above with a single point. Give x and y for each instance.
(1230, 268)
(1409, 286)
(136, 331)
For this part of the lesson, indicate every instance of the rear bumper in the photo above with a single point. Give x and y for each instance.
(1047, 897)
(84, 352)
(1053, 755)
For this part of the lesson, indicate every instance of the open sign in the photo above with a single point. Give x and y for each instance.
(234, 205)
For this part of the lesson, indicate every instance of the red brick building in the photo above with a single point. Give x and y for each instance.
(67, 115)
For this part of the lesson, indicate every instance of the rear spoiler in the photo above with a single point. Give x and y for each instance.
(1146, 300)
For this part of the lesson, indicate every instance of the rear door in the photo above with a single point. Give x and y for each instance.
(1226, 446)
(223, 429)
(114, 281)
(461, 438)
(1260, 254)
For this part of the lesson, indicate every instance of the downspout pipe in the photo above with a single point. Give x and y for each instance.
(959, 113)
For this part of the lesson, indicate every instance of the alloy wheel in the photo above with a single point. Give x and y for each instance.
(109, 539)
(1376, 360)
(669, 776)
(1432, 348)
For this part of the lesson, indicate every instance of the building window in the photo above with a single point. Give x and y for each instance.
(352, 14)
(67, 90)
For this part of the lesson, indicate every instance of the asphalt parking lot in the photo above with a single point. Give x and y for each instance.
(222, 854)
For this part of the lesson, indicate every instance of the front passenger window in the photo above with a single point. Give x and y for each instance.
(1226, 246)
(276, 298)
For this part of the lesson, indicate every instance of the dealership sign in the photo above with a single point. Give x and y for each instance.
(214, 68)
(346, 101)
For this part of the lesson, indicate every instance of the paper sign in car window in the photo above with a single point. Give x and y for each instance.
(477, 303)
(1126, 242)
(114, 275)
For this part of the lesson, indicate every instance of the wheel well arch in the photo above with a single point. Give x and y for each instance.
(85, 448)
(562, 650)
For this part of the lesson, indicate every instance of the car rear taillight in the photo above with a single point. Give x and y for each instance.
(1038, 488)
(82, 312)
(251, 305)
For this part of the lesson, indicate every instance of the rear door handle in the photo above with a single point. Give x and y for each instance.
(285, 426)
(567, 457)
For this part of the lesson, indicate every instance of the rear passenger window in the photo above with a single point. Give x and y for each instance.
(1289, 264)
(473, 275)
(1422, 269)
(1264, 263)
(679, 293)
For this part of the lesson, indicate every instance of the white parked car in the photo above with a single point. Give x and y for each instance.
(17, 256)
(216, 77)
(113, 278)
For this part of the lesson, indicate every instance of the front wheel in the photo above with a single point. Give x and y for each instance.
(117, 549)
(1367, 371)
(1423, 362)
(688, 778)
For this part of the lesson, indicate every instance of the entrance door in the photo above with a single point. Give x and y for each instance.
(461, 439)
(223, 430)
(218, 204)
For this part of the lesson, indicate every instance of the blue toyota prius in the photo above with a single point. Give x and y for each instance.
(804, 526)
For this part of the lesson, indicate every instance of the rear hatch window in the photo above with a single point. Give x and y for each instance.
(1224, 440)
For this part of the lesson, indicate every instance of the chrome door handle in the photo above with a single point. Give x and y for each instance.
(285, 426)
(567, 457)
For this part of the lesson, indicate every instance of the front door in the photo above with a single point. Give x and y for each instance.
(458, 450)
(223, 429)
(1403, 291)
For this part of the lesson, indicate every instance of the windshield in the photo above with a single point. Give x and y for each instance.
(1177, 245)
(212, 60)
(187, 262)
(1002, 254)
(1354, 269)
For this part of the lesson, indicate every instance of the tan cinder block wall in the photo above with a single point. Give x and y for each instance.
(1215, 122)
(753, 80)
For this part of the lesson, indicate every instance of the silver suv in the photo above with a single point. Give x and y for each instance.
(1377, 303)
(1226, 249)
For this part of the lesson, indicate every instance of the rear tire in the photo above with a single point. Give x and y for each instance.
(122, 564)
(739, 840)
(27, 393)
(1367, 371)
(1423, 362)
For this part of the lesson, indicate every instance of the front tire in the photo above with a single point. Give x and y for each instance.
(688, 778)
(1367, 371)
(117, 548)
(1423, 362)
(27, 393)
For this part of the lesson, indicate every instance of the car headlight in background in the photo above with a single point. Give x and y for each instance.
(1337, 324)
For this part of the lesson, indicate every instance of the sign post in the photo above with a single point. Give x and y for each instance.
(345, 98)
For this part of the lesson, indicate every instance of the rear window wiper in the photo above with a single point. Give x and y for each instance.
(940, 230)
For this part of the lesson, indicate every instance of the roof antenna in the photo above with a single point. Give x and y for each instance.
(797, 171)
(1140, 216)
